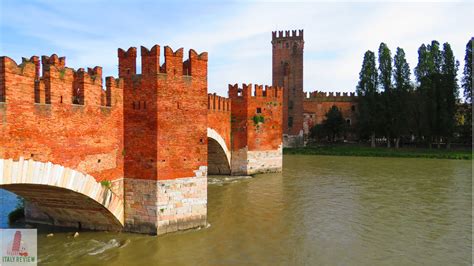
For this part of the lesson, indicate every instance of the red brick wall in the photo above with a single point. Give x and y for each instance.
(218, 116)
(287, 67)
(247, 133)
(317, 104)
(39, 121)
(165, 113)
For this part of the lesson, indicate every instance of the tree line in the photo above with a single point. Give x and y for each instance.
(392, 106)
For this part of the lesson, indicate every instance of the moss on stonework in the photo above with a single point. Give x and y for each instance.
(62, 73)
(258, 119)
(106, 183)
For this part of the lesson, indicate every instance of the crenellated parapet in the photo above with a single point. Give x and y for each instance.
(112, 85)
(150, 60)
(218, 103)
(330, 97)
(195, 65)
(256, 91)
(127, 62)
(57, 83)
(286, 35)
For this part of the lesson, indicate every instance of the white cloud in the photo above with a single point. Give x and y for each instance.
(238, 36)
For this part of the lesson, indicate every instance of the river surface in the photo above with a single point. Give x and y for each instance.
(322, 210)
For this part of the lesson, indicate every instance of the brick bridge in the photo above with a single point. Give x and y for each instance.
(134, 156)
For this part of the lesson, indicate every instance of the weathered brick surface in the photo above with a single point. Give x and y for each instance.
(165, 112)
(45, 125)
(256, 127)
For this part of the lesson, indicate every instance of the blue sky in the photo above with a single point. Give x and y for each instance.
(237, 35)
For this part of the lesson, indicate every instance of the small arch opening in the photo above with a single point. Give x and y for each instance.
(217, 163)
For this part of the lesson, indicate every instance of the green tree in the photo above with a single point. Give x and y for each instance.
(385, 81)
(318, 132)
(385, 67)
(467, 79)
(368, 96)
(428, 74)
(420, 95)
(334, 123)
(437, 57)
(435, 92)
(466, 127)
(401, 94)
(449, 93)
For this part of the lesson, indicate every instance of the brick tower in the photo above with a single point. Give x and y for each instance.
(287, 65)
(165, 133)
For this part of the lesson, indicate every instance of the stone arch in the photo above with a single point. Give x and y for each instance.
(218, 155)
(65, 197)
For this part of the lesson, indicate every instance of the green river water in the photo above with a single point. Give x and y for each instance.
(322, 210)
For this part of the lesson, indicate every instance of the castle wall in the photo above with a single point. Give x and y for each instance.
(256, 129)
(39, 120)
(317, 104)
(63, 117)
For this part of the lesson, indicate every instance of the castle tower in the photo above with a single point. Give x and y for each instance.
(287, 72)
(165, 133)
(256, 129)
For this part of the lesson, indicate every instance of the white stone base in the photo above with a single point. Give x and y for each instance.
(159, 207)
(246, 162)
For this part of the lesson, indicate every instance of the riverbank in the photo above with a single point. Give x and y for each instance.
(382, 152)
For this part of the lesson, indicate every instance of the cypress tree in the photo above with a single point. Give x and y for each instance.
(467, 79)
(429, 76)
(449, 93)
(385, 81)
(467, 85)
(401, 93)
(367, 91)
(422, 110)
